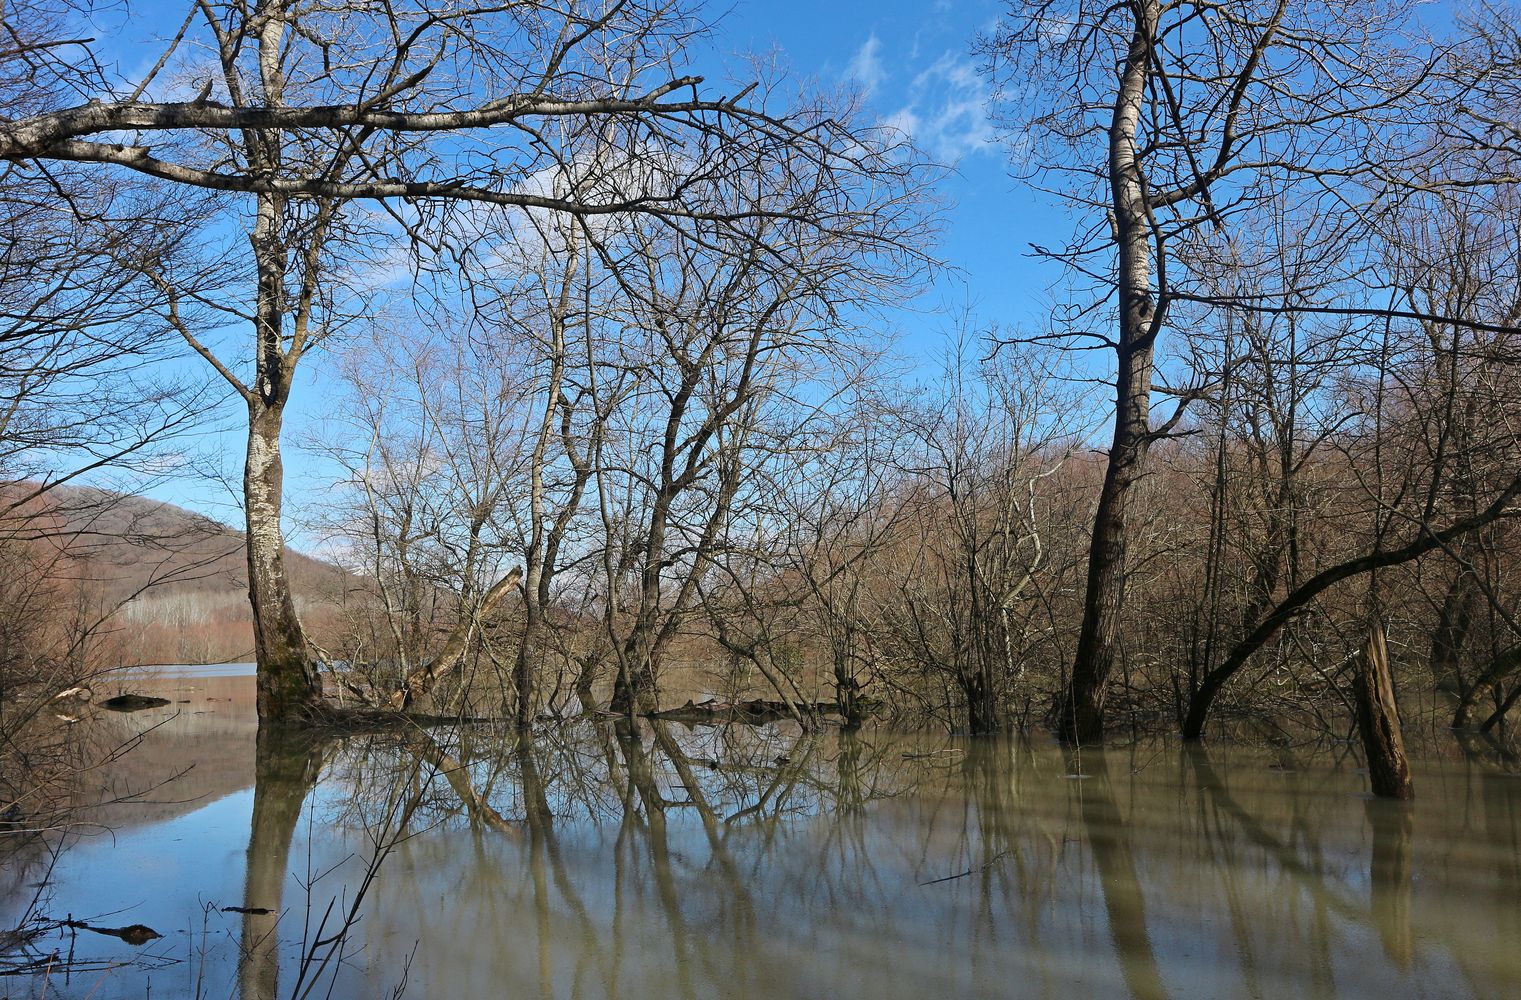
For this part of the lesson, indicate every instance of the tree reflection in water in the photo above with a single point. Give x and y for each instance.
(1123, 901)
(623, 860)
(288, 765)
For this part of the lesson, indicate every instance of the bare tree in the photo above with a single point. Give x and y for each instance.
(302, 111)
(435, 453)
(1161, 117)
(86, 419)
(963, 575)
(717, 350)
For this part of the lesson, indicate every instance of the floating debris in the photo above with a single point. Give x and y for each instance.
(133, 703)
(136, 935)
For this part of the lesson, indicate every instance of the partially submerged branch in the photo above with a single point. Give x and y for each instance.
(422, 679)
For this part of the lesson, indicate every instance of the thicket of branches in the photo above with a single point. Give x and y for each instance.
(1331, 328)
(635, 431)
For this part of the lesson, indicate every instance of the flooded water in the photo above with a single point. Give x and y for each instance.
(603, 861)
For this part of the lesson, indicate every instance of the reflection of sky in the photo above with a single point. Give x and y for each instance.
(980, 870)
(163, 875)
(188, 670)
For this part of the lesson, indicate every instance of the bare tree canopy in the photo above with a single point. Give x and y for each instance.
(1166, 120)
(567, 108)
(570, 106)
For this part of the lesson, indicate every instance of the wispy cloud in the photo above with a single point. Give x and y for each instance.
(946, 112)
(866, 65)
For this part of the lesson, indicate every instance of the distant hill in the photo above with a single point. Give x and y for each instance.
(183, 577)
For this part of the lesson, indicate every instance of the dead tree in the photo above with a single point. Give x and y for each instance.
(1378, 720)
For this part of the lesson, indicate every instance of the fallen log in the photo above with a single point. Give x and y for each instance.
(756, 710)
(133, 703)
(421, 680)
(136, 935)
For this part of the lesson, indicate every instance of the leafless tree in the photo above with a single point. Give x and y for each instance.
(967, 564)
(87, 418)
(1160, 118)
(434, 450)
(302, 112)
(719, 354)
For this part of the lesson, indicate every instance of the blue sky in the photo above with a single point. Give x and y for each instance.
(914, 64)
(913, 61)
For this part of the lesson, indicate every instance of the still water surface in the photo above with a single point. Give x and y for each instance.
(759, 863)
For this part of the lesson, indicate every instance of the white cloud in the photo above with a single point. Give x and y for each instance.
(866, 65)
(946, 111)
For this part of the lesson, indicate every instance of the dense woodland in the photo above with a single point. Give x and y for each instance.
(622, 418)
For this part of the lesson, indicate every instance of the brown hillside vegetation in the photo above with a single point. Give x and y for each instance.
(178, 577)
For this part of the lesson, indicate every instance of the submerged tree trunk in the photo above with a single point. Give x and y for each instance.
(981, 704)
(1080, 708)
(527, 656)
(634, 689)
(848, 694)
(1378, 720)
(288, 684)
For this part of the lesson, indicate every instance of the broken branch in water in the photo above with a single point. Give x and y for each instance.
(421, 680)
(970, 871)
(133, 934)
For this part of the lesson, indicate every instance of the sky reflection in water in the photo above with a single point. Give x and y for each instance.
(603, 862)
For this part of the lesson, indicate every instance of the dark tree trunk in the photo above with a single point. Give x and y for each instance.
(1378, 720)
(981, 705)
(1498, 670)
(848, 694)
(1080, 708)
(634, 686)
(1080, 711)
(1498, 715)
(522, 670)
(586, 676)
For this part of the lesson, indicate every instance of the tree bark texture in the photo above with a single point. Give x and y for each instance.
(1080, 708)
(288, 685)
(1378, 721)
